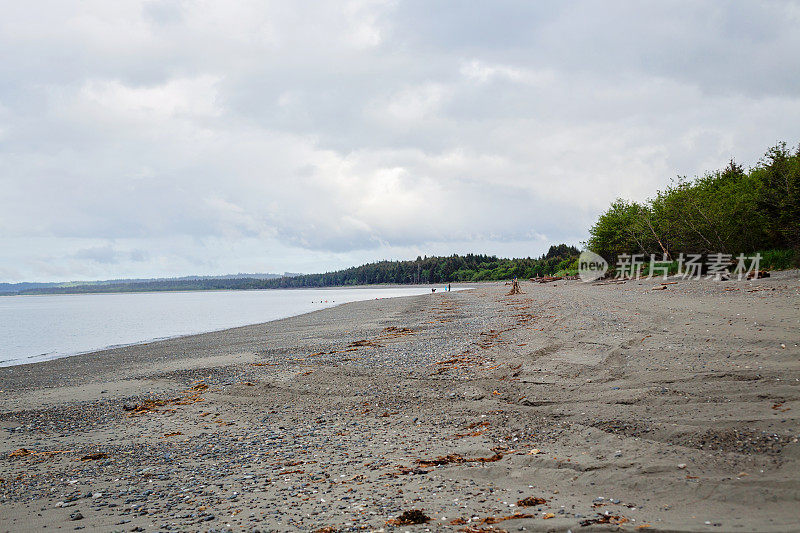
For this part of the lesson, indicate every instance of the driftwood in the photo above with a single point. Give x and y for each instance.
(727, 276)
(547, 279)
(514, 288)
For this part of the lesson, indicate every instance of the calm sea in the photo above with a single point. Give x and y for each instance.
(35, 328)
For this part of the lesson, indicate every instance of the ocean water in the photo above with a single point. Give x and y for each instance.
(36, 328)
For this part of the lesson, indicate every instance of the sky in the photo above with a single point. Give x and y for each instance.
(172, 137)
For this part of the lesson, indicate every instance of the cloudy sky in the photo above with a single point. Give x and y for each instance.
(166, 138)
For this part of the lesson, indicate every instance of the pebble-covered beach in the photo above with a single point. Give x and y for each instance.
(572, 406)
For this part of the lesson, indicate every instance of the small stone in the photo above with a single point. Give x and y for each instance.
(682, 466)
(76, 516)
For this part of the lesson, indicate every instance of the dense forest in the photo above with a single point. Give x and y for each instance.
(729, 211)
(470, 267)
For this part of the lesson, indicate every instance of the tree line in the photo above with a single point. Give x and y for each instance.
(440, 269)
(425, 270)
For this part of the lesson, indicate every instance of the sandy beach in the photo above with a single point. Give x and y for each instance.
(571, 406)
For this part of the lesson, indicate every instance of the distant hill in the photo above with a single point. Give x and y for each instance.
(14, 288)
(440, 269)
(114, 285)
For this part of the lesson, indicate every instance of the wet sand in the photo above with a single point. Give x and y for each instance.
(606, 406)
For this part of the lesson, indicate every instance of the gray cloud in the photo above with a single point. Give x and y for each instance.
(108, 254)
(167, 138)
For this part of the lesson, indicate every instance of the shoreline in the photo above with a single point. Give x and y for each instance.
(43, 357)
(327, 287)
(674, 409)
(145, 349)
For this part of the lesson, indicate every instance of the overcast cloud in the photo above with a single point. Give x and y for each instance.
(164, 138)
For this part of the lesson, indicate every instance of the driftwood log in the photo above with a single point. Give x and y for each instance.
(547, 279)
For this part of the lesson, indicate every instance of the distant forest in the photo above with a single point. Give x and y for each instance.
(729, 211)
(454, 268)
(470, 267)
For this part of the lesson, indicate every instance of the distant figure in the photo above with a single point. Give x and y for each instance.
(448, 287)
(433, 290)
